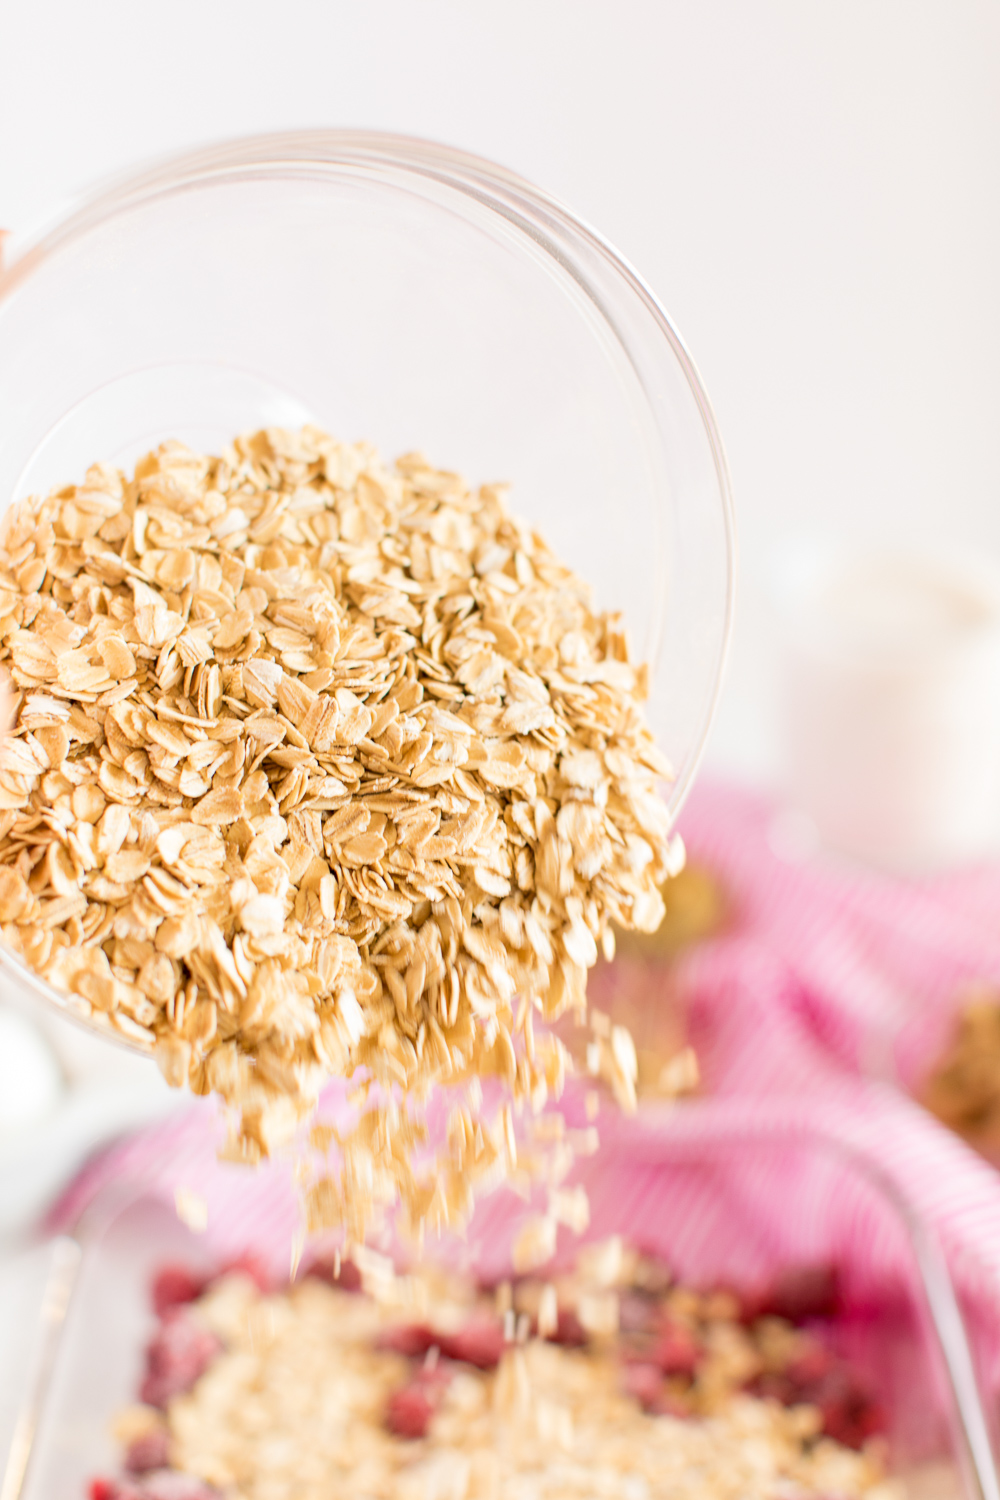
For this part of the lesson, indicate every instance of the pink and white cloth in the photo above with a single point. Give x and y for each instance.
(868, 966)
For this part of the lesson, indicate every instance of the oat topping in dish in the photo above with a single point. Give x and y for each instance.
(609, 1381)
(963, 1089)
(319, 765)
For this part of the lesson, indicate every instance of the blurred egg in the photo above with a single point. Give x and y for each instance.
(30, 1078)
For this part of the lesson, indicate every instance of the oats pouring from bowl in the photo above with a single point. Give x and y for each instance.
(320, 765)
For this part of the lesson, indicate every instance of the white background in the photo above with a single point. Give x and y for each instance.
(811, 186)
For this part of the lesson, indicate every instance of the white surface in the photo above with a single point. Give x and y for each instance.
(30, 1078)
(85, 1093)
(36, 1167)
(811, 190)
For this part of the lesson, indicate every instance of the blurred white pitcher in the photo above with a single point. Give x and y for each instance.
(891, 702)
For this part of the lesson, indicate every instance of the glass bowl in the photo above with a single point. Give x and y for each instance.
(723, 1199)
(409, 294)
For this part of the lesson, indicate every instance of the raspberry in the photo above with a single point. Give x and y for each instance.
(179, 1352)
(349, 1279)
(816, 1377)
(569, 1331)
(409, 1412)
(411, 1339)
(479, 1343)
(175, 1285)
(802, 1293)
(324, 1268)
(676, 1351)
(849, 1414)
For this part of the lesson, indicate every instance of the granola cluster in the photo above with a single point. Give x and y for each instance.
(320, 765)
(610, 1380)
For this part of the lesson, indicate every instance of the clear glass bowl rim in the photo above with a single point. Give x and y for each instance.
(537, 214)
(534, 213)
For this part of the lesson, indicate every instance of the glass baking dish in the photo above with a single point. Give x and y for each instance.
(724, 1203)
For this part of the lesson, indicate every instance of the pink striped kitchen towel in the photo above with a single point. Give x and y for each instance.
(867, 965)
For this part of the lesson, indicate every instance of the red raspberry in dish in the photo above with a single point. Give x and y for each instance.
(849, 1414)
(479, 1343)
(409, 1411)
(816, 1377)
(344, 1275)
(676, 1351)
(175, 1285)
(413, 1340)
(802, 1293)
(569, 1331)
(179, 1352)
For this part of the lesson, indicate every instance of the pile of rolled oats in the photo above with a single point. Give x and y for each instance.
(607, 1381)
(319, 765)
